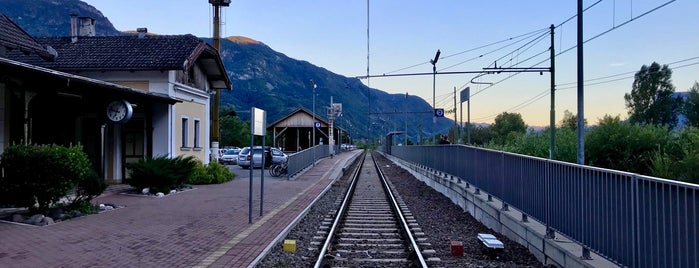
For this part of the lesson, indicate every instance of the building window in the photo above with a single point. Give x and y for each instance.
(196, 134)
(185, 132)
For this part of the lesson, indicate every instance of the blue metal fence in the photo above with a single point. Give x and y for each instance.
(303, 159)
(634, 220)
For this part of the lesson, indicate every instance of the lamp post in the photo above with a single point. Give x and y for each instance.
(313, 124)
(434, 81)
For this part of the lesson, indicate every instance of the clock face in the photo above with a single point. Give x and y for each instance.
(119, 111)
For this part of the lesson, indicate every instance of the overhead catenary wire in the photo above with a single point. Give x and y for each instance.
(571, 48)
(547, 91)
(518, 37)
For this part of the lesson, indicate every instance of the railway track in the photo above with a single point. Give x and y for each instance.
(372, 227)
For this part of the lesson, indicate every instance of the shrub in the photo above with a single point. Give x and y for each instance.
(37, 176)
(211, 174)
(161, 174)
(88, 187)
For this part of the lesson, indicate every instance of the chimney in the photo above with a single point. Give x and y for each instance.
(87, 26)
(73, 28)
(142, 32)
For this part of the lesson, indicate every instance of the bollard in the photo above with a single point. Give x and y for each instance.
(456, 248)
(290, 246)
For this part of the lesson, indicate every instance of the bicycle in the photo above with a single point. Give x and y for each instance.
(278, 169)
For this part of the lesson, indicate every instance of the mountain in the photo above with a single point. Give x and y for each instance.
(52, 17)
(262, 77)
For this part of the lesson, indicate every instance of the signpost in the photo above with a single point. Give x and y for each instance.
(257, 128)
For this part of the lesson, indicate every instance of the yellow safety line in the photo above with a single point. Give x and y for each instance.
(214, 256)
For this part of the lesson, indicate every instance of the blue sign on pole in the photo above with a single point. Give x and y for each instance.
(317, 124)
(439, 112)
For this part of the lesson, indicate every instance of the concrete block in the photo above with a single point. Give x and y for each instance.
(456, 248)
(289, 245)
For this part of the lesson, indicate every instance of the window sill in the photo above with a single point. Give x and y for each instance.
(197, 148)
(185, 148)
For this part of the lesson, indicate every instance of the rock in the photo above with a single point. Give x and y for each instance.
(145, 191)
(75, 214)
(173, 191)
(18, 218)
(46, 221)
(159, 194)
(55, 213)
(35, 219)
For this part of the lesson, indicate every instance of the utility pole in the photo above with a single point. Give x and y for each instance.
(457, 133)
(215, 132)
(331, 139)
(405, 114)
(552, 124)
(313, 124)
(434, 83)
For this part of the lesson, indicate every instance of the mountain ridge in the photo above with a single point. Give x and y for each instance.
(262, 77)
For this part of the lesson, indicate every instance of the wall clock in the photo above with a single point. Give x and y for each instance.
(119, 111)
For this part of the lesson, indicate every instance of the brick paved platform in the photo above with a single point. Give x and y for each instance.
(204, 227)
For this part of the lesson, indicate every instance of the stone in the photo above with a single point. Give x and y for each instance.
(75, 214)
(159, 194)
(18, 218)
(145, 191)
(173, 191)
(35, 219)
(46, 221)
(55, 213)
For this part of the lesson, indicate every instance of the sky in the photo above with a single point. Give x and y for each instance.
(401, 37)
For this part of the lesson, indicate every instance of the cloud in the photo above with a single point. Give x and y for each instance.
(617, 64)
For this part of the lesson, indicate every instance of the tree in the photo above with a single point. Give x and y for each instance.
(623, 146)
(650, 100)
(570, 120)
(234, 132)
(691, 106)
(480, 135)
(508, 125)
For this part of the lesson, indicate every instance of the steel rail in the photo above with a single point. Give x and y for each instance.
(396, 210)
(338, 218)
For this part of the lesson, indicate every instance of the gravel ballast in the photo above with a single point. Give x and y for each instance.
(440, 219)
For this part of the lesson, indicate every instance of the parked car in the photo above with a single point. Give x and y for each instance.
(229, 157)
(276, 156)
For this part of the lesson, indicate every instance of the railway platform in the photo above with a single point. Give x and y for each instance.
(203, 227)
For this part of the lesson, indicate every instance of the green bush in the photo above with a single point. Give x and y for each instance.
(37, 176)
(161, 174)
(211, 174)
(88, 187)
(680, 159)
(624, 146)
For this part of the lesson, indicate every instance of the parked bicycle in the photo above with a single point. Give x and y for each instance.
(278, 169)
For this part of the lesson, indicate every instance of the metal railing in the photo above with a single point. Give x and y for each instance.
(303, 159)
(631, 219)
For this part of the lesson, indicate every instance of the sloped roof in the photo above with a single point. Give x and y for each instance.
(14, 37)
(295, 112)
(28, 71)
(133, 53)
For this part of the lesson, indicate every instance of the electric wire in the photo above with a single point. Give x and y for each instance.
(479, 56)
(548, 92)
(473, 49)
(590, 39)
